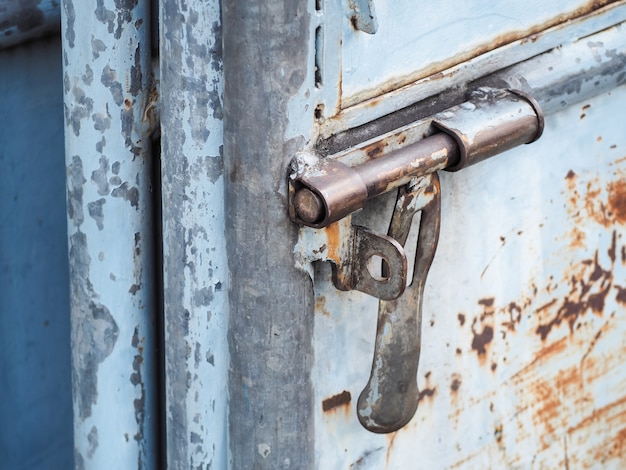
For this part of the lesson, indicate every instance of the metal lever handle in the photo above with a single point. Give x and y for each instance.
(391, 396)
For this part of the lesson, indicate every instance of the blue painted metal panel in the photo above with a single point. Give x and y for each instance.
(107, 77)
(35, 398)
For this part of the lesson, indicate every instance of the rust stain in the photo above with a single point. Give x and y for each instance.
(497, 433)
(589, 285)
(426, 393)
(617, 200)
(320, 306)
(614, 448)
(515, 316)
(333, 236)
(456, 383)
(375, 149)
(461, 318)
(483, 328)
(481, 340)
(391, 440)
(342, 399)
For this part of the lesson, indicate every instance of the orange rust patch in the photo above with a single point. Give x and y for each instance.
(341, 400)
(376, 149)
(590, 284)
(617, 200)
(320, 306)
(334, 239)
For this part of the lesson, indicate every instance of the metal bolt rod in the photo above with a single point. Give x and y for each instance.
(388, 172)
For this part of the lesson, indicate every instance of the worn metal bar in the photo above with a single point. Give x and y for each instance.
(23, 20)
(266, 47)
(106, 51)
(571, 73)
(195, 271)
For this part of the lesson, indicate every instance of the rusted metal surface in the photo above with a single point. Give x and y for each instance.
(23, 20)
(107, 76)
(522, 335)
(492, 122)
(195, 271)
(390, 398)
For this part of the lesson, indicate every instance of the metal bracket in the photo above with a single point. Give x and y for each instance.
(357, 271)
(363, 15)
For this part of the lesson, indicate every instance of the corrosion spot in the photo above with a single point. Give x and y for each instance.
(617, 200)
(320, 305)
(461, 318)
(456, 384)
(498, 433)
(341, 399)
(570, 175)
(427, 392)
(376, 149)
(332, 235)
(487, 302)
(480, 341)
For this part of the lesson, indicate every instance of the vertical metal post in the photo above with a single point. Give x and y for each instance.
(266, 48)
(195, 271)
(106, 53)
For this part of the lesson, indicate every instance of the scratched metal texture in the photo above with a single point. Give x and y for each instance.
(23, 20)
(267, 119)
(35, 382)
(106, 83)
(195, 270)
(523, 330)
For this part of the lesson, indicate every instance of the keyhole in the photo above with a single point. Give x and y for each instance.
(378, 267)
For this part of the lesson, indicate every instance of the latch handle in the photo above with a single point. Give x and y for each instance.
(390, 398)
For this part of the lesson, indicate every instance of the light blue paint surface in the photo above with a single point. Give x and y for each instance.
(35, 388)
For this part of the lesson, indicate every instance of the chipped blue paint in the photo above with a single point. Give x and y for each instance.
(108, 155)
(195, 272)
